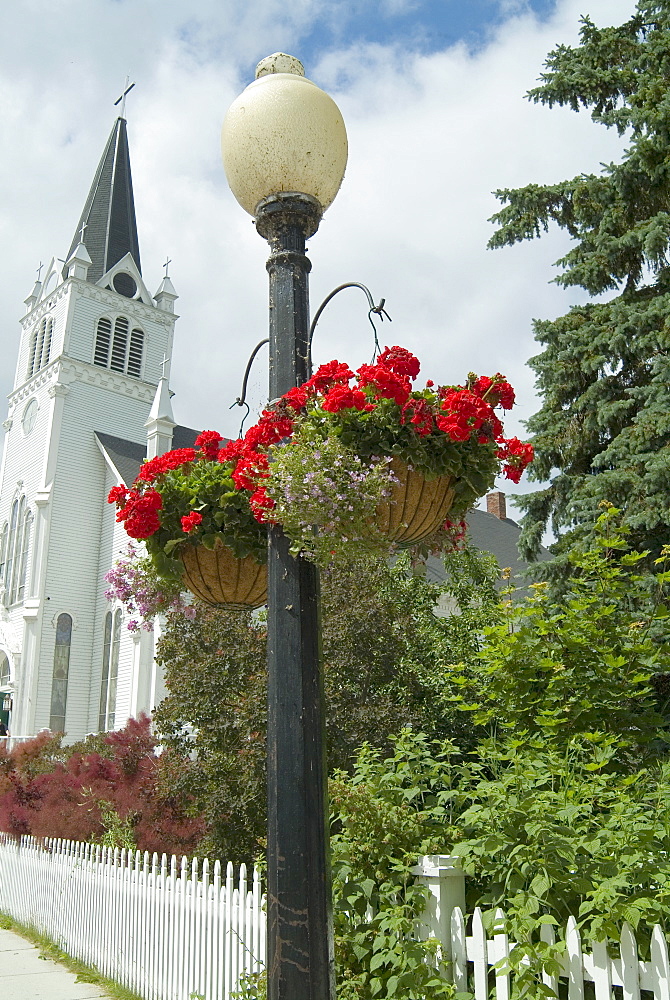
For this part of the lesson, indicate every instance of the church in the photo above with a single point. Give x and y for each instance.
(90, 401)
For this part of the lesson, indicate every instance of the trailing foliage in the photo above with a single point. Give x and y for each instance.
(603, 430)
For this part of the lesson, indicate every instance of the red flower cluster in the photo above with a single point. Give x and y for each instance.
(497, 390)
(420, 413)
(138, 510)
(342, 397)
(515, 455)
(164, 463)
(334, 373)
(463, 413)
(191, 521)
(400, 361)
(208, 443)
(251, 467)
(385, 382)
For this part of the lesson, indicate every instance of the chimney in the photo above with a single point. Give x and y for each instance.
(495, 504)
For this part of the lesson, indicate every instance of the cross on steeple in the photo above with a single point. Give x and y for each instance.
(165, 359)
(122, 99)
(165, 265)
(84, 227)
(39, 271)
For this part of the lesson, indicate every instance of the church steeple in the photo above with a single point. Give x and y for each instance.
(107, 226)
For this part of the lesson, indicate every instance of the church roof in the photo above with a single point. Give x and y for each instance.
(127, 456)
(109, 213)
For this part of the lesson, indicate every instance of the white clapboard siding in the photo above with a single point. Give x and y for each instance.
(165, 929)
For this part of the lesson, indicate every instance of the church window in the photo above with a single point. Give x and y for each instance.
(5, 673)
(14, 546)
(40, 346)
(114, 670)
(110, 670)
(60, 673)
(3, 551)
(119, 348)
(104, 685)
(24, 542)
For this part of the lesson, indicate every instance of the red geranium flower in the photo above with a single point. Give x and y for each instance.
(208, 443)
(342, 397)
(333, 373)
(117, 494)
(385, 383)
(400, 361)
(191, 521)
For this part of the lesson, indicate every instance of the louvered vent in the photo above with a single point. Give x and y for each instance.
(119, 345)
(135, 353)
(46, 344)
(31, 354)
(102, 341)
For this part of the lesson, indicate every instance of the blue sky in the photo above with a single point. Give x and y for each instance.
(432, 94)
(425, 25)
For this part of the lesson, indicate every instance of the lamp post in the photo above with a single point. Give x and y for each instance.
(284, 152)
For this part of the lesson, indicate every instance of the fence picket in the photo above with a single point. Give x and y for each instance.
(549, 937)
(478, 955)
(630, 973)
(459, 953)
(575, 962)
(659, 967)
(602, 975)
(501, 954)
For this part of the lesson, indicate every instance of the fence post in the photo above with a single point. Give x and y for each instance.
(445, 880)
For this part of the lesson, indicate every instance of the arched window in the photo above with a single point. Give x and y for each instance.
(14, 549)
(40, 346)
(118, 347)
(110, 670)
(5, 672)
(114, 670)
(104, 685)
(60, 673)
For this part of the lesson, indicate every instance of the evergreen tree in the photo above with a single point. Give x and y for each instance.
(603, 431)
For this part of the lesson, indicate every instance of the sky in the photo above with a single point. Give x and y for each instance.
(432, 94)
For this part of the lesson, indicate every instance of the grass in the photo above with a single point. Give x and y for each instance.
(84, 973)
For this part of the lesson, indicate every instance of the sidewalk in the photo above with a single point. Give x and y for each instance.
(26, 976)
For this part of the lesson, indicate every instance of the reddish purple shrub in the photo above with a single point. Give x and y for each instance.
(49, 790)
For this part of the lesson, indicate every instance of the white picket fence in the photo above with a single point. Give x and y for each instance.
(164, 929)
(169, 930)
(480, 963)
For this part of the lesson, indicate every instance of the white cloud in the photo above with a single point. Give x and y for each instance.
(430, 137)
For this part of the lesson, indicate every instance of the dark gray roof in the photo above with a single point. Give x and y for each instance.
(109, 212)
(127, 456)
(500, 536)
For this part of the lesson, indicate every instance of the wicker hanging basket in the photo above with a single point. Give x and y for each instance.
(219, 579)
(416, 506)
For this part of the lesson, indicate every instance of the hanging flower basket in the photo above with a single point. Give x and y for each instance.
(416, 508)
(219, 579)
(362, 462)
(198, 527)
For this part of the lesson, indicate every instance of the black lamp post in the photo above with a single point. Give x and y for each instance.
(284, 151)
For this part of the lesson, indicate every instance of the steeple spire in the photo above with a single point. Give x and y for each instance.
(107, 226)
